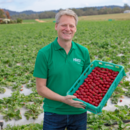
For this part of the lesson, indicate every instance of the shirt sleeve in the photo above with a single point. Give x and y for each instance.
(87, 59)
(40, 69)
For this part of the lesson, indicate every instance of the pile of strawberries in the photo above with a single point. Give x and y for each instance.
(96, 85)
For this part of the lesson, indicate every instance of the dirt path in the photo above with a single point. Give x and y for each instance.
(40, 21)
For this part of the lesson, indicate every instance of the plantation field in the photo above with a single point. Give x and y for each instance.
(19, 44)
(104, 17)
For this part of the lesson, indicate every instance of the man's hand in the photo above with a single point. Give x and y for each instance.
(69, 100)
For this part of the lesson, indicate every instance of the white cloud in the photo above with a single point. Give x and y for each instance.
(6, 1)
(40, 5)
(126, 1)
(9, 1)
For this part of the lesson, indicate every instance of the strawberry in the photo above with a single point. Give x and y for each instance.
(96, 85)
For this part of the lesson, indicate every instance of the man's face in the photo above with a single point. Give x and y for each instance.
(66, 28)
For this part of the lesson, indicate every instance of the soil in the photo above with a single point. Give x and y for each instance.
(40, 21)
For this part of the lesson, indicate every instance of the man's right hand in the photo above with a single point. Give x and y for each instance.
(69, 100)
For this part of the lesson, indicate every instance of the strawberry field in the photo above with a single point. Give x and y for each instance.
(20, 104)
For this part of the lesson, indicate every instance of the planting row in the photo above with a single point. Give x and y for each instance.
(10, 107)
(105, 121)
(19, 44)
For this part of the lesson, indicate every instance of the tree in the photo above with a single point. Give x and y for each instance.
(126, 7)
(2, 15)
(19, 20)
(79, 12)
(7, 14)
(116, 10)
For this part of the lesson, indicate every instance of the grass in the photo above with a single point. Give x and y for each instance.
(106, 17)
(29, 21)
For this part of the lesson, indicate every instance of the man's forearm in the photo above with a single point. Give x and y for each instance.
(49, 94)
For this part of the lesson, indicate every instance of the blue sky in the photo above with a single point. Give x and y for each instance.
(45, 5)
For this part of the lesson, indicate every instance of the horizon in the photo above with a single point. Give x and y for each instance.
(48, 5)
(60, 8)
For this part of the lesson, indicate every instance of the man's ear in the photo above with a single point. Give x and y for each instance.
(56, 26)
(76, 30)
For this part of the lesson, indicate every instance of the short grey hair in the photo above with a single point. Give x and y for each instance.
(67, 12)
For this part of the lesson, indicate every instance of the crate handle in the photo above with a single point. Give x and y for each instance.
(100, 63)
(91, 65)
(86, 71)
(117, 66)
(71, 90)
(109, 65)
(75, 85)
(78, 81)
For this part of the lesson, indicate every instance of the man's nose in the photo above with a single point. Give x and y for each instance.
(67, 27)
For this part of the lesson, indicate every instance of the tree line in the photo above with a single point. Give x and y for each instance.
(80, 12)
(4, 14)
(5, 18)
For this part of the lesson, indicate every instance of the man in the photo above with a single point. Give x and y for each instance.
(58, 65)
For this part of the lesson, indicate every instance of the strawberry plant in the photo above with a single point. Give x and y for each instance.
(35, 99)
(16, 87)
(2, 90)
(30, 85)
(118, 93)
(128, 93)
(122, 126)
(34, 111)
(11, 114)
(31, 126)
(1, 107)
(16, 100)
(106, 41)
(108, 118)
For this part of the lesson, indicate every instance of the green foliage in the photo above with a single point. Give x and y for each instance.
(19, 20)
(2, 90)
(33, 126)
(101, 122)
(19, 45)
(10, 107)
(34, 111)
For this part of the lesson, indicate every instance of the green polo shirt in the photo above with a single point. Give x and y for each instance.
(61, 71)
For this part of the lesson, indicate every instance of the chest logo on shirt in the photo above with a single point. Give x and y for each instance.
(77, 60)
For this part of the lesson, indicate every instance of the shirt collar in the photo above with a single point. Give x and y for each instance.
(58, 47)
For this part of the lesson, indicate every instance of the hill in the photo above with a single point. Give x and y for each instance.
(29, 12)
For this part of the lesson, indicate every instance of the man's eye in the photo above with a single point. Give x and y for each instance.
(71, 26)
